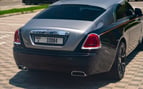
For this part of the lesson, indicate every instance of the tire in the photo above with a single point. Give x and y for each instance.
(140, 45)
(141, 42)
(118, 69)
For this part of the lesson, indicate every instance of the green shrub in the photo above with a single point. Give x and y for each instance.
(22, 10)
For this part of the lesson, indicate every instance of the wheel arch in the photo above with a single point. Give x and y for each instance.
(123, 40)
(120, 41)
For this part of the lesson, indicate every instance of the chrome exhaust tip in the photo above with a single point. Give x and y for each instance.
(23, 68)
(78, 74)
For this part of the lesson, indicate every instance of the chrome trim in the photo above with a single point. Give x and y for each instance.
(17, 43)
(78, 73)
(23, 68)
(47, 32)
(90, 48)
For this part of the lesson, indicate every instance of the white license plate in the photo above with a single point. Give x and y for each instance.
(49, 40)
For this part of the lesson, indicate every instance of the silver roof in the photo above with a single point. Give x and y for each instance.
(100, 3)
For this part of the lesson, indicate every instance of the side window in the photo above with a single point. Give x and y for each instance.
(120, 12)
(124, 11)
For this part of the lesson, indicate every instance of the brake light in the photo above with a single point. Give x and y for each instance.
(92, 42)
(17, 37)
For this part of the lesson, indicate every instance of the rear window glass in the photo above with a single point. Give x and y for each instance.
(74, 12)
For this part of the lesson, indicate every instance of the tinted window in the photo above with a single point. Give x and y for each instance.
(124, 11)
(74, 12)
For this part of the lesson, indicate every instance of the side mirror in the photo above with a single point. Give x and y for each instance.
(138, 12)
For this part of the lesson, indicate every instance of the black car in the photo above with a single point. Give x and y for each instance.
(29, 2)
(83, 37)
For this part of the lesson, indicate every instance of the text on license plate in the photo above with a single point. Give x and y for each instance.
(49, 40)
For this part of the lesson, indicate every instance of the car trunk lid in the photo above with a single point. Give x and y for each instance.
(49, 34)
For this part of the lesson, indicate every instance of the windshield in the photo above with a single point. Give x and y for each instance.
(73, 12)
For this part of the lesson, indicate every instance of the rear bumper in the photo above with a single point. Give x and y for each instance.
(90, 63)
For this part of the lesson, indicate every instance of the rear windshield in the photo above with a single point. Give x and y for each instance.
(73, 12)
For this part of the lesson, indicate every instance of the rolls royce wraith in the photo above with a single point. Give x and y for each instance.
(82, 37)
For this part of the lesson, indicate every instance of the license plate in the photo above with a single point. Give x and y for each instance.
(49, 40)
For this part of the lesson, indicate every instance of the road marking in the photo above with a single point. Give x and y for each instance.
(2, 43)
(1, 37)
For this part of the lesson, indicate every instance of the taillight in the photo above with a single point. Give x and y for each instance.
(92, 42)
(17, 37)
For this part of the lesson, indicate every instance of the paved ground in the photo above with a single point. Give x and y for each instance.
(137, 4)
(13, 78)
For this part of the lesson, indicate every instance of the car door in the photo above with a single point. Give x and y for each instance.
(132, 25)
(133, 28)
